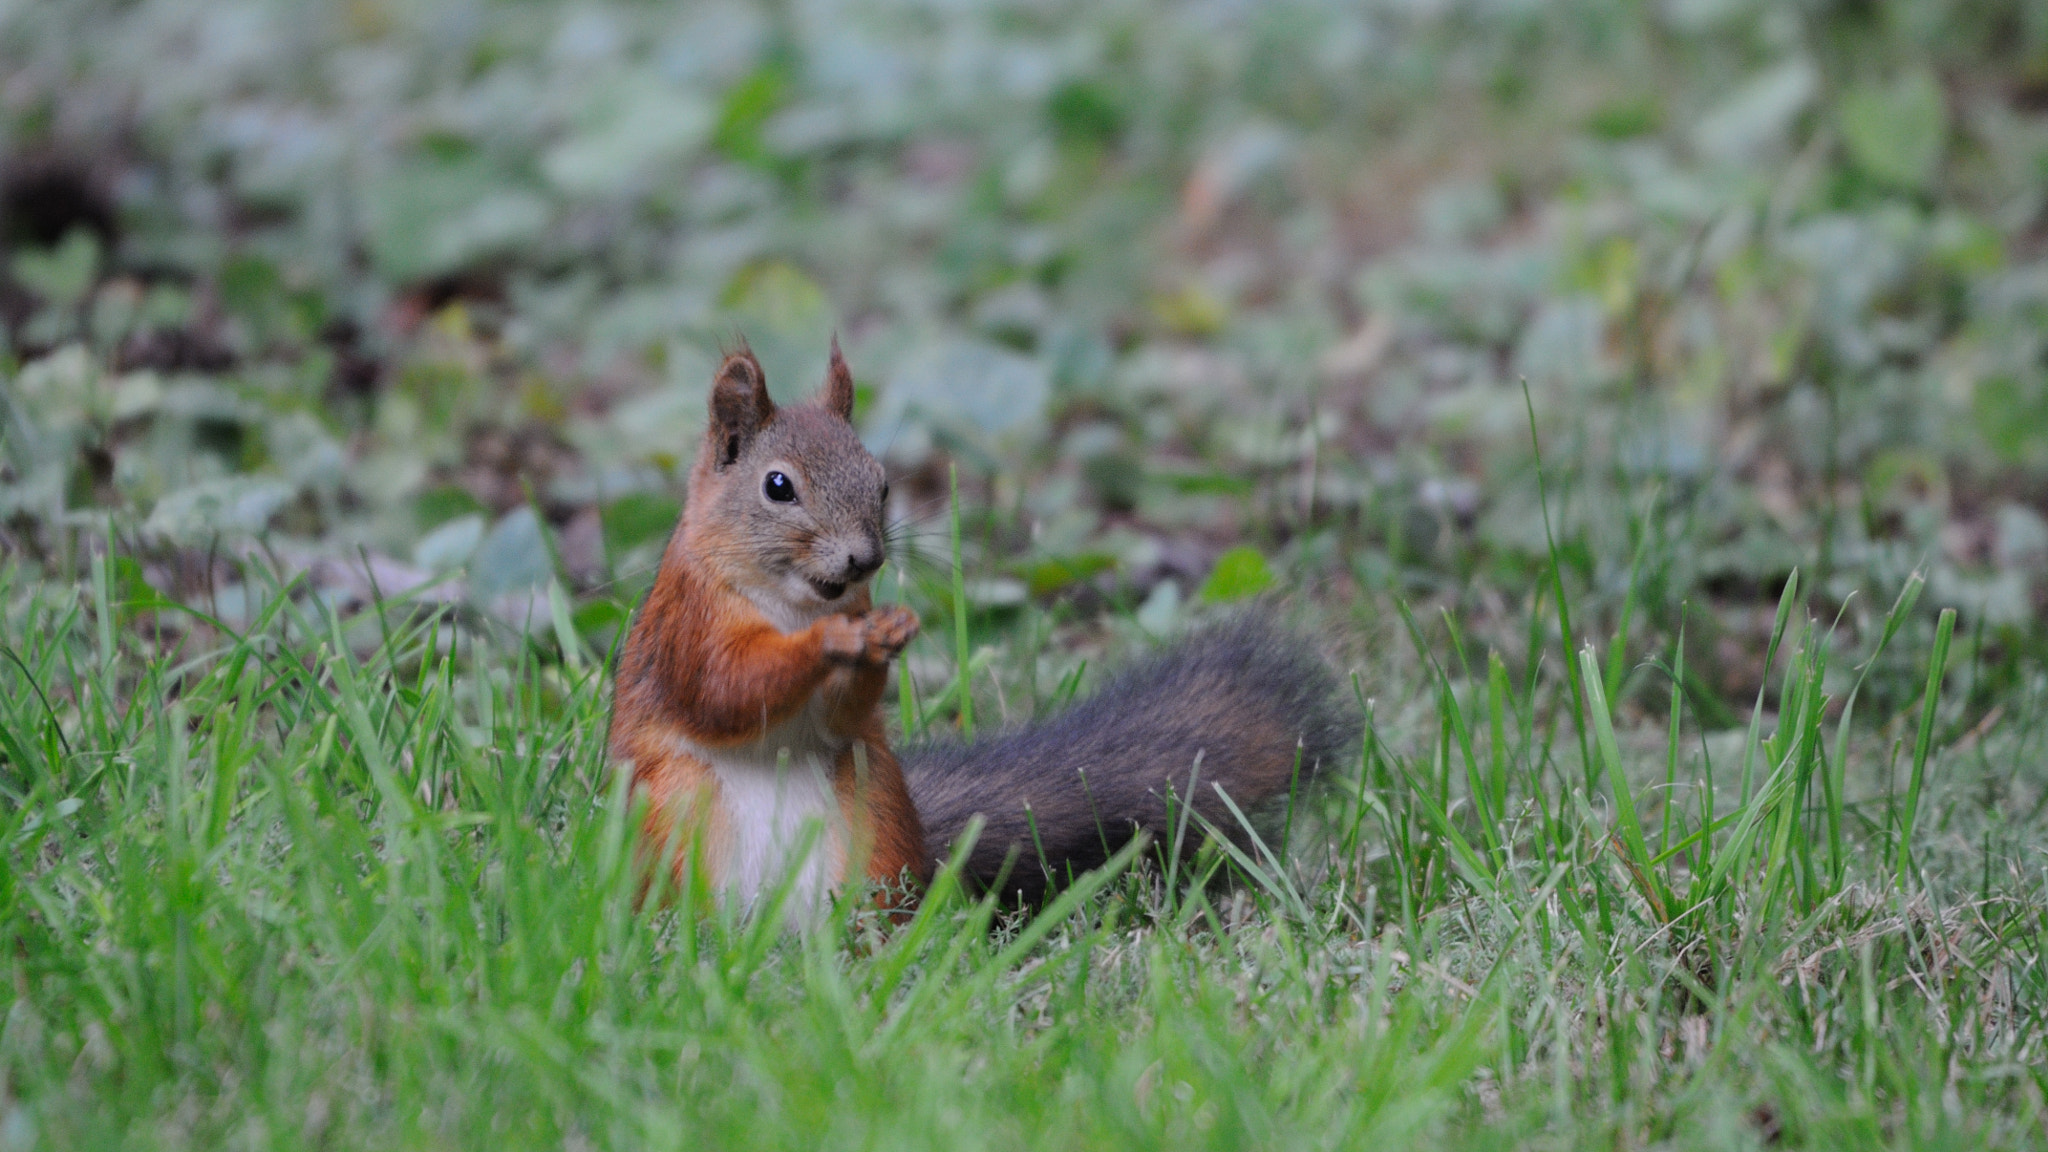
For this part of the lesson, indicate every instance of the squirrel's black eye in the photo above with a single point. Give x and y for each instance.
(779, 489)
(885, 491)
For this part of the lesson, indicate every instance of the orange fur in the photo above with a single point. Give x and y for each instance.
(706, 672)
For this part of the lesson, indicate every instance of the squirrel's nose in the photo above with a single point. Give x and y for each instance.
(861, 565)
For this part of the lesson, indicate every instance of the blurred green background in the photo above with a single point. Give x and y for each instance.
(423, 296)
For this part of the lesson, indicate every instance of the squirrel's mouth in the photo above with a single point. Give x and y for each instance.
(826, 588)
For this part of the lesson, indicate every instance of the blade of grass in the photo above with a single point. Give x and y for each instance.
(1617, 655)
(1630, 828)
(1901, 609)
(1672, 738)
(1937, 663)
(1564, 612)
(1496, 729)
(906, 687)
(1756, 713)
(961, 647)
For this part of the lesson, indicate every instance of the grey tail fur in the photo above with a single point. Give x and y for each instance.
(1247, 707)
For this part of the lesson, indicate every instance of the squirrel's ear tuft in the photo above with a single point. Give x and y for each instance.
(838, 394)
(739, 404)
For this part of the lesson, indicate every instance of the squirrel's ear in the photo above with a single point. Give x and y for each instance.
(838, 394)
(739, 404)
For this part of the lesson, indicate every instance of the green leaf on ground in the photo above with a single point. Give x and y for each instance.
(1239, 573)
(1897, 132)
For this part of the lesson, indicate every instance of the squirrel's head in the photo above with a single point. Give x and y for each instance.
(787, 502)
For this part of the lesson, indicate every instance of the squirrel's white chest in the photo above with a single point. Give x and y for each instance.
(780, 813)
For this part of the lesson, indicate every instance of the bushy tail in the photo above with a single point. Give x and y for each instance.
(1247, 707)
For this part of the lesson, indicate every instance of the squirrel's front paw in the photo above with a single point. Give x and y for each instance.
(843, 638)
(889, 628)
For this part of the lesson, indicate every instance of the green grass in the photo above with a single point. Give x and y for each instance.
(366, 883)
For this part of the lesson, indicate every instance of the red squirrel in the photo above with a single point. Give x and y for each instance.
(747, 702)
